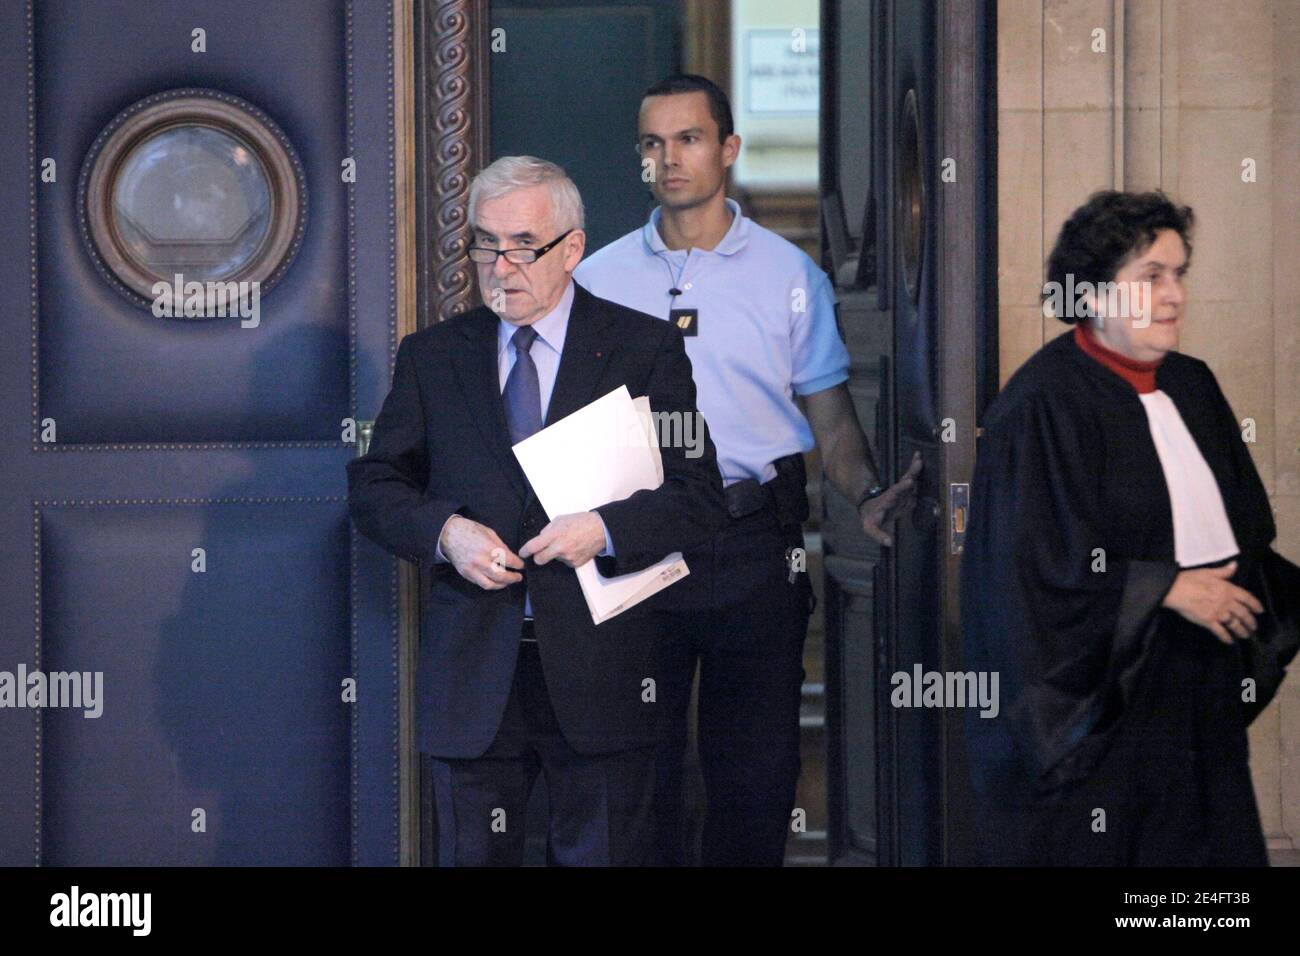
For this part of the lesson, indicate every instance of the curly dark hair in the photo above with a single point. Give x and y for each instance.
(1106, 231)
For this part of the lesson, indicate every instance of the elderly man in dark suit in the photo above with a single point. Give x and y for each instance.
(514, 678)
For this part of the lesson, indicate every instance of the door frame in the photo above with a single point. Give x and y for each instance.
(968, 337)
(441, 90)
(966, 283)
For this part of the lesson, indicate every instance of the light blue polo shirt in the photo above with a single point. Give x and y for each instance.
(766, 331)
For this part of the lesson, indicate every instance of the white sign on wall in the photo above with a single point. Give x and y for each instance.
(782, 72)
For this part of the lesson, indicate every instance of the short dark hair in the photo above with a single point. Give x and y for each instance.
(719, 105)
(1101, 235)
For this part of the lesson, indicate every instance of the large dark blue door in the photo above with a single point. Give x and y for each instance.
(173, 520)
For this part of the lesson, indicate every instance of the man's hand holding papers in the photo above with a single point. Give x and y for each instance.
(574, 539)
(603, 452)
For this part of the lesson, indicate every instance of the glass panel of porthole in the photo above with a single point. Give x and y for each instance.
(191, 199)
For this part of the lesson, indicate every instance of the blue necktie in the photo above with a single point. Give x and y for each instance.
(523, 397)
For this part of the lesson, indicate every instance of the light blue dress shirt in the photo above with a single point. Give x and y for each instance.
(546, 351)
(551, 330)
(766, 331)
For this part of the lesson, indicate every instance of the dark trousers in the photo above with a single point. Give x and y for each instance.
(738, 614)
(600, 805)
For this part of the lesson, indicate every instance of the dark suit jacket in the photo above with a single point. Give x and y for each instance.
(440, 446)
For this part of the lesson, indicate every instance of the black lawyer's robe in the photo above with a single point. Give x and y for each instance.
(1109, 702)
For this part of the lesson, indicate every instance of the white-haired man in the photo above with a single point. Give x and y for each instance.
(514, 678)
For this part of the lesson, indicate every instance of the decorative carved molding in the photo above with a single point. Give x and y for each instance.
(452, 145)
(450, 73)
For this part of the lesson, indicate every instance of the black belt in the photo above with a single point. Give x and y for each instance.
(747, 496)
(785, 494)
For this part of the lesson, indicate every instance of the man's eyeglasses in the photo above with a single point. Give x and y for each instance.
(520, 257)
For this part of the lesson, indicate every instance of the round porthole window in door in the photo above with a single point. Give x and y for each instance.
(191, 186)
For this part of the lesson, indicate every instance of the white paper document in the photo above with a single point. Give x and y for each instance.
(601, 453)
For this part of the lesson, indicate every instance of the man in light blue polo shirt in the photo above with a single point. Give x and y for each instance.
(759, 321)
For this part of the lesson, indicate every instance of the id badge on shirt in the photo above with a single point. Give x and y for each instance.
(688, 320)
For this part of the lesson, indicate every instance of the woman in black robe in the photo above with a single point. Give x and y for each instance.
(1097, 583)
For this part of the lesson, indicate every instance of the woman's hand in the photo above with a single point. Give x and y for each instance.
(1206, 597)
